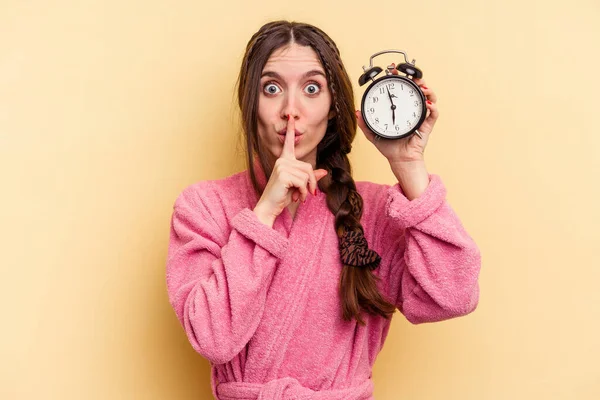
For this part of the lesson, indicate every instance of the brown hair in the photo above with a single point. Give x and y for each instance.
(358, 289)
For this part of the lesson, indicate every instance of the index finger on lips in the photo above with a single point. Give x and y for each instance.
(288, 144)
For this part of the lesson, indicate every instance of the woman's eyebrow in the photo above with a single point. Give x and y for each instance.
(308, 74)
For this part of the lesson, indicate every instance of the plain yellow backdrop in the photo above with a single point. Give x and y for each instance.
(108, 109)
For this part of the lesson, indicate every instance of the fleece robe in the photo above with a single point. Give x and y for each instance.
(262, 303)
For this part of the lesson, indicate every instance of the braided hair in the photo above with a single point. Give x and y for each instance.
(358, 284)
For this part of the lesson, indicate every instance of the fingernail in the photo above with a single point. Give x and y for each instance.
(428, 102)
(424, 87)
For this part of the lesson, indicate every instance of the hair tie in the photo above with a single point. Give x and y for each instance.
(355, 251)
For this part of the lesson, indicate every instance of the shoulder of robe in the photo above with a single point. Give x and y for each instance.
(372, 193)
(218, 199)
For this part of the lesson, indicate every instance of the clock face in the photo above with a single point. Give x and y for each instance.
(393, 107)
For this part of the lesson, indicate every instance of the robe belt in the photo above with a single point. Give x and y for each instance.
(290, 389)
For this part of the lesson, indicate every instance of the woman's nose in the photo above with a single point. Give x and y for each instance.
(290, 106)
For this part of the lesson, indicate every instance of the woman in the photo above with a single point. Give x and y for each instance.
(285, 276)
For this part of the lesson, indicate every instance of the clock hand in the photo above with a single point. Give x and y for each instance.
(390, 96)
(393, 107)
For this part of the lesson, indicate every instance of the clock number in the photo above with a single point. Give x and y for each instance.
(416, 103)
(414, 114)
(372, 110)
(391, 85)
(411, 93)
(407, 123)
(381, 90)
(376, 120)
(397, 127)
(375, 99)
(386, 125)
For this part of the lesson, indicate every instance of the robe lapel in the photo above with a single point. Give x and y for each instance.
(287, 296)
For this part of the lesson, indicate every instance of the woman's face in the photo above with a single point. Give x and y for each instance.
(293, 82)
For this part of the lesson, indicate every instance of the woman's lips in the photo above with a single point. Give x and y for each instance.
(296, 139)
(296, 132)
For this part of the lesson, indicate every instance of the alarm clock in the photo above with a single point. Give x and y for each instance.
(393, 106)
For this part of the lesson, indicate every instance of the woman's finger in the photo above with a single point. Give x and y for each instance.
(433, 112)
(299, 180)
(419, 81)
(312, 178)
(429, 94)
(288, 150)
(320, 174)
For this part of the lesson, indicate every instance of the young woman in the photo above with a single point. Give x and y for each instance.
(285, 276)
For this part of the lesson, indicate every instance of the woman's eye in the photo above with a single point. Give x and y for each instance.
(313, 88)
(271, 88)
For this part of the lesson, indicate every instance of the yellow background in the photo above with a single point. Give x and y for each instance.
(108, 109)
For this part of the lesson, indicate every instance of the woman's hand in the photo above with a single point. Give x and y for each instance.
(290, 180)
(410, 148)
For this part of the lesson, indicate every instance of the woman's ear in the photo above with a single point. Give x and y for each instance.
(331, 114)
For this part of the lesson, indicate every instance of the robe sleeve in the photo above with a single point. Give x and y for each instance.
(434, 263)
(217, 280)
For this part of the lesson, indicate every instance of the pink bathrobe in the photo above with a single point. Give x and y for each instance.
(262, 304)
